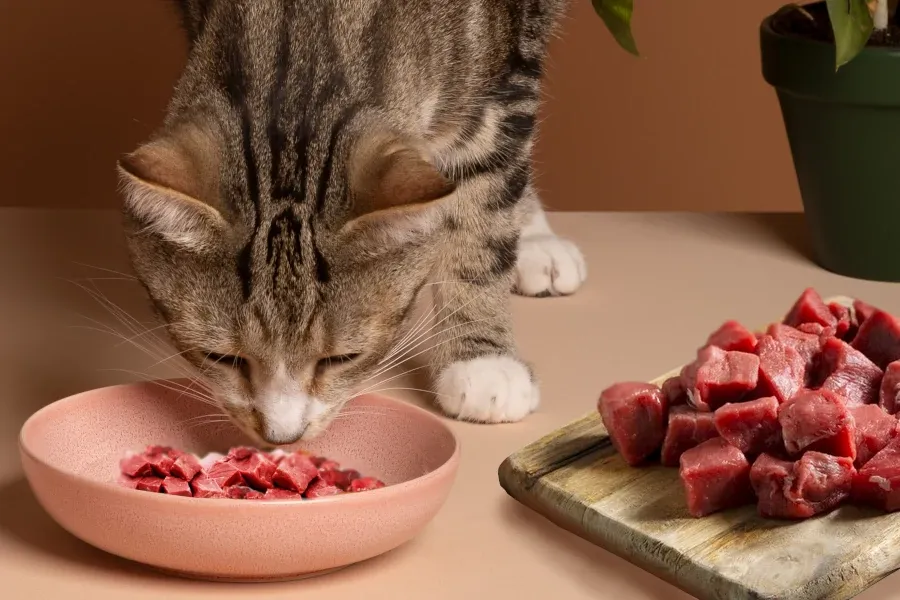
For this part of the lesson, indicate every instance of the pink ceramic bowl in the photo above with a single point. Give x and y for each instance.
(71, 450)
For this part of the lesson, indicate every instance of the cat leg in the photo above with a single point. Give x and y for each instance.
(548, 265)
(479, 376)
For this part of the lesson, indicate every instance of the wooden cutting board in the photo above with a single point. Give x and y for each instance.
(575, 478)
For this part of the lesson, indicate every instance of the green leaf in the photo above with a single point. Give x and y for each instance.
(616, 14)
(852, 25)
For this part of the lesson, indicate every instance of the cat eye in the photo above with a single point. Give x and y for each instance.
(333, 361)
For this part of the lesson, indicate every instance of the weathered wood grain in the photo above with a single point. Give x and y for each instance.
(575, 478)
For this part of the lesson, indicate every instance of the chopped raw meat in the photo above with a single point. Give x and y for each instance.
(874, 430)
(186, 467)
(889, 392)
(879, 338)
(817, 420)
(807, 345)
(329, 465)
(782, 371)
(812, 485)
(365, 484)
(733, 336)
(175, 486)
(341, 479)
(149, 484)
(244, 473)
(255, 467)
(878, 482)
(635, 417)
(751, 427)
(211, 459)
(279, 494)
(844, 324)
(294, 473)
(810, 308)
(225, 474)
(718, 377)
(319, 489)
(135, 465)
(242, 492)
(818, 330)
(716, 476)
(849, 373)
(687, 428)
(204, 487)
(160, 462)
(674, 391)
(862, 311)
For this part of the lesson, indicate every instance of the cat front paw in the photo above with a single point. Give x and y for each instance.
(489, 389)
(548, 266)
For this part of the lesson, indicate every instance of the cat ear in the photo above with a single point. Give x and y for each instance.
(171, 185)
(395, 189)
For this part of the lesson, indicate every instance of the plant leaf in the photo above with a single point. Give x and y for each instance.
(851, 22)
(616, 14)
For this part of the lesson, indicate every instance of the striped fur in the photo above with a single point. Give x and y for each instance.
(321, 161)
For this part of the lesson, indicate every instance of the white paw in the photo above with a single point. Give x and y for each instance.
(548, 266)
(490, 389)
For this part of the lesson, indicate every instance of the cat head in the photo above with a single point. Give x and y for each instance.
(284, 285)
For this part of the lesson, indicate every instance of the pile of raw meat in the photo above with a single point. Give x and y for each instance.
(798, 419)
(242, 474)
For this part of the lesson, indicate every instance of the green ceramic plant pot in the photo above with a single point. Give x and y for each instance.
(844, 133)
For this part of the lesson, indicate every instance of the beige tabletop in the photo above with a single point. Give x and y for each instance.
(657, 284)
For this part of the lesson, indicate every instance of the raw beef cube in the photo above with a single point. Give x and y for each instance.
(782, 371)
(674, 391)
(365, 484)
(716, 476)
(634, 414)
(211, 459)
(149, 484)
(242, 492)
(319, 489)
(167, 450)
(889, 392)
(256, 469)
(844, 323)
(687, 428)
(278, 494)
(879, 338)
(878, 482)
(329, 465)
(241, 453)
(732, 336)
(186, 467)
(751, 427)
(717, 377)
(277, 455)
(175, 486)
(862, 311)
(341, 479)
(135, 465)
(818, 330)
(813, 485)
(225, 474)
(160, 461)
(295, 472)
(807, 345)
(810, 308)
(205, 487)
(818, 420)
(874, 430)
(849, 373)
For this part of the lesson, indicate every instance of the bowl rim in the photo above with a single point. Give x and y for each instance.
(446, 469)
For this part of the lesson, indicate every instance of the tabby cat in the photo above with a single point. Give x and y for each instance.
(321, 164)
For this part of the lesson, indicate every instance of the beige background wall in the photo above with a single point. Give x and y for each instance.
(690, 126)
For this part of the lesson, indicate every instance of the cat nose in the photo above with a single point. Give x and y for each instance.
(282, 434)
